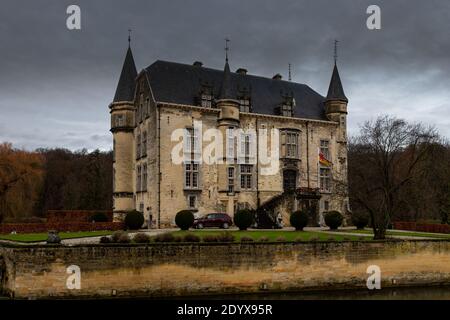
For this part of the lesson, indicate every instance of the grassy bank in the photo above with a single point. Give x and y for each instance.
(401, 233)
(37, 237)
(256, 235)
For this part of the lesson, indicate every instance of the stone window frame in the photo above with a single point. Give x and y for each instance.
(119, 120)
(138, 145)
(144, 144)
(138, 178)
(191, 175)
(324, 145)
(246, 176)
(231, 179)
(290, 139)
(144, 178)
(325, 179)
(189, 198)
(245, 105)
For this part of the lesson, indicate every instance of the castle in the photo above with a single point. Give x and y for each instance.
(151, 105)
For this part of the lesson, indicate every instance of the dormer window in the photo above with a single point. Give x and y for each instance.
(244, 105)
(287, 107)
(206, 100)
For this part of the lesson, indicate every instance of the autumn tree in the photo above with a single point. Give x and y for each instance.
(20, 178)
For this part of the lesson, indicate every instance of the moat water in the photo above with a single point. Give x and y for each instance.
(408, 293)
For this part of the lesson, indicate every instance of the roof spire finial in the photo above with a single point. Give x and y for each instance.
(129, 37)
(290, 77)
(335, 50)
(226, 49)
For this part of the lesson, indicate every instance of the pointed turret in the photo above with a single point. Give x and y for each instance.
(126, 85)
(225, 90)
(335, 90)
(122, 111)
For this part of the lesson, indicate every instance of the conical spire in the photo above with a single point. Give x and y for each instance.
(225, 90)
(335, 90)
(126, 86)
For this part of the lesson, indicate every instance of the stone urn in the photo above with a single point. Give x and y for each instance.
(53, 237)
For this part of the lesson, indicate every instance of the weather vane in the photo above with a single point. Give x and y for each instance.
(335, 50)
(290, 78)
(226, 49)
(129, 37)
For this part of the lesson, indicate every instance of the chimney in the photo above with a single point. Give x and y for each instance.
(277, 77)
(241, 71)
(198, 63)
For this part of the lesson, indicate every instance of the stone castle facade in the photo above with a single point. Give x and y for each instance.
(151, 105)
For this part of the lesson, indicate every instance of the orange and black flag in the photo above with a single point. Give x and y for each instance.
(324, 161)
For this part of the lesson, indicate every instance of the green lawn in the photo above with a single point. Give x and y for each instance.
(400, 233)
(36, 237)
(273, 235)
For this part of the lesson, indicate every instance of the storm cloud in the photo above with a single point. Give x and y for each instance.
(56, 84)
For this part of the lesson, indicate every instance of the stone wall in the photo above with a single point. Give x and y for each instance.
(214, 268)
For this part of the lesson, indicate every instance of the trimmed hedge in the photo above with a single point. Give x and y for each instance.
(244, 218)
(299, 219)
(99, 217)
(184, 219)
(134, 220)
(360, 219)
(423, 227)
(333, 219)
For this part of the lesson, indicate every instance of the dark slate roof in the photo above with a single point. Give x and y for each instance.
(126, 86)
(335, 90)
(181, 83)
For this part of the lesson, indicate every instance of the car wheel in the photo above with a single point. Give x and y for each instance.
(225, 225)
(200, 226)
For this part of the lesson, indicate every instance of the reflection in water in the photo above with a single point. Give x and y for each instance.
(409, 293)
(416, 293)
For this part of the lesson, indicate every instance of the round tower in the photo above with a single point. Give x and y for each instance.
(122, 126)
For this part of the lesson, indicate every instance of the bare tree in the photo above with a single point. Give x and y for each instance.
(384, 159)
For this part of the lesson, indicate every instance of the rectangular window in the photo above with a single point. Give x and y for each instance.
(144, 177)
(230, 179)
(192, 147)
(120, 120)
(291, 145)
(138, 146)
(144, 143)
(325, 179)
(206, 100)
(141, 207)
(230, 143)
(244, 105)
(138, 178)
(246, 176)
(191, 175)
(324, 149)
(287, 110)
(192, 201)
(326, 206)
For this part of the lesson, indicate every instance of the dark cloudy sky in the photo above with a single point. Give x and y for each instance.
(56, 84)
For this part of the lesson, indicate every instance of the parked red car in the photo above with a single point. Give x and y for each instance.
(213, 220)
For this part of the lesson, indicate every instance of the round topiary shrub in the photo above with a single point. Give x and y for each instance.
(299, 220)
(105, 239)
(184, 219)
(360, 220)
(191, 238)
(141, 238)
(98, 217)
(243, 218)
(124, 238)
(116, 236)
(134, 220)
(333, 219)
